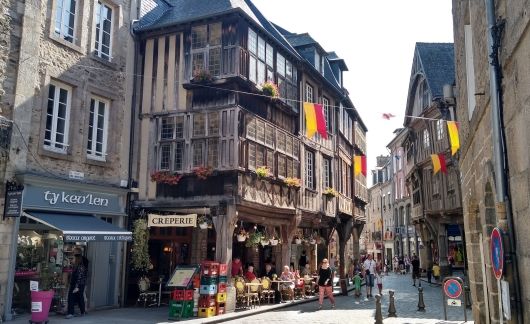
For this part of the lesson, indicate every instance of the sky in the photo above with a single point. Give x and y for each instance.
(376, 39)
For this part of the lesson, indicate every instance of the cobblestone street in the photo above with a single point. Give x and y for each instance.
(350, 309)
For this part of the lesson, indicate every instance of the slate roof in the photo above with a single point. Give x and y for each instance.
(175, 12)
(437, 60)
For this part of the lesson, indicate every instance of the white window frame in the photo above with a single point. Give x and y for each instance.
(440, 123)
(91, 151)
(310, 169)
(426, 138)
(97, 13)
(60, 32)
(51, 146)
(309, 93)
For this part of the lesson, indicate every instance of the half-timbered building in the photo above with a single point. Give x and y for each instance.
(436, 198)
(212, 142)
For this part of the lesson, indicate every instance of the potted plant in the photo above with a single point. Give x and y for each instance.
(202, 76)
(274, 240)
(265, 240)
(203, 172)
(270, 89)
(166, 177)
(263, 172)
(204, 222)
(330, 193)
(242, 235)
(297, 240)
(292, 182)
(41, 299)
(254, 239)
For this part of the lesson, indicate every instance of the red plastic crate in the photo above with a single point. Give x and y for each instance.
(210, 268)
(221, 287)
(220, 309)
(206, 301)
(223, 269)
(182, 295)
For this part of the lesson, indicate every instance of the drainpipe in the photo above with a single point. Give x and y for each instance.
(503, 207)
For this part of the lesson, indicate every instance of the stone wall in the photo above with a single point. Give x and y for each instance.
(476, 157)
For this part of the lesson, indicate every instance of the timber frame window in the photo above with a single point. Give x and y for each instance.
(171, 143)
(327, 114)
(98, 129)
(287, 80)
(261, 59)
(440, 123)
(310, 170)
(57, 117)
(206, 49)
(66, 15)
(326, 173)
(103, 21)
(426, 138)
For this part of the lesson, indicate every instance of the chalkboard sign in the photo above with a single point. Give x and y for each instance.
(182, 277)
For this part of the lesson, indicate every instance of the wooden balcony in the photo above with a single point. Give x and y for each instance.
(417, 212)
(315, 202)
(345, 205)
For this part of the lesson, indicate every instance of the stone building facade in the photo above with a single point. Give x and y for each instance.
(483, 210)
(63, 69)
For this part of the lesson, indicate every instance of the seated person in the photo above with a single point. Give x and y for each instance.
(249, 275)
(237, 267)
(288, 276)
(268, 272)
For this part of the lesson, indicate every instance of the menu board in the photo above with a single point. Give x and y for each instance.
(182, 276)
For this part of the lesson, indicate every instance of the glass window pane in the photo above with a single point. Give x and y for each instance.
(269, 55)
(198, 36)
(179, 156)
(213, 123)
(252, 74)
(280, 64)
(252, 41)
(215, 34)
(198, 125)
(261, 48)
(213, 152)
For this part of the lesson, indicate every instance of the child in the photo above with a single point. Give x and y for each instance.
(357, 284)
(436, 271)
(379, 282)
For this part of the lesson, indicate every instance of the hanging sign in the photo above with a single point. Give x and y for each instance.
(154, 220)
(13, 200)
(497, 253)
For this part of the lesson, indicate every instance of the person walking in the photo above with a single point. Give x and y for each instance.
(77, 285)
(415, 269)
(369, 266)
(379, 281)
(325, 284)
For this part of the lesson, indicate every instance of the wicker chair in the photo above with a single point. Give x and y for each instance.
(266, 290)
(241, 296)
(146, 296)
(253, 295)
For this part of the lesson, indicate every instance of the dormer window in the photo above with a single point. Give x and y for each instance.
(318, 62)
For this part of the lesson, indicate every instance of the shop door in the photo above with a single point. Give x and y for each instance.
(103, 278)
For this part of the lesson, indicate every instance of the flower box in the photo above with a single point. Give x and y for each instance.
(241, 237)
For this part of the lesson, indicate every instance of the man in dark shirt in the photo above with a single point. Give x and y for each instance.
(302, 261)
(415, 269)
(268, 272)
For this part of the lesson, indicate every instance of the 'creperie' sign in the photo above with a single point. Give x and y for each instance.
(154, 220)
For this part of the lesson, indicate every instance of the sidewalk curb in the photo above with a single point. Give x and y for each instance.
(261, 311)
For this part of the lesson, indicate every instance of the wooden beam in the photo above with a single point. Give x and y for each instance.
(171, 86)
(148, 77)
(159, 97)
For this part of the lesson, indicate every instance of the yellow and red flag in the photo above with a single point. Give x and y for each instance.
(452, 129)
(438, 163)
(359, 165)
(314, 119)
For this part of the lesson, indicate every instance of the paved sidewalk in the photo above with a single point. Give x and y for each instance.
(349, 309)
(160, 315)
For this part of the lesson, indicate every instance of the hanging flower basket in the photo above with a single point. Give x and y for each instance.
(297, 241)
(312, 241)
(241, 237)
(204, 222)
(203, 225)
(274, 241)
(264, 242)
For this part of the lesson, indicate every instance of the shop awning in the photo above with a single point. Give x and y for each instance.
(81, 228)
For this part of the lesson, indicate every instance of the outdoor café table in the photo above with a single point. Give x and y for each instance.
(250, 284)
(280, 282)
(308, 283)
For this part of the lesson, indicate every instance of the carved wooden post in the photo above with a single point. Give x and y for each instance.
(344, 231)
(224, 227)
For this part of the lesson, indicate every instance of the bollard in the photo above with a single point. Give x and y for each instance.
(421, 304)
(378, 313)
(467, 291)
(391, 305)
